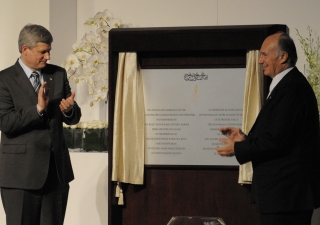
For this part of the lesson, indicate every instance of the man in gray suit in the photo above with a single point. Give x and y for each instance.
(35, 166)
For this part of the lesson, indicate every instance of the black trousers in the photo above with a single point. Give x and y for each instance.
(287, 218)
(46, 206)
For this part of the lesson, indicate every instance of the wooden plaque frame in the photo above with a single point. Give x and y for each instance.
(168, 191)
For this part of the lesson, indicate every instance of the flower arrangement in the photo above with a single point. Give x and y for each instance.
(89, 60)
(311, 49)
(93, 124)
(87, 136)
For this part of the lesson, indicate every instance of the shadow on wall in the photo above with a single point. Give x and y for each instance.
(102, 199)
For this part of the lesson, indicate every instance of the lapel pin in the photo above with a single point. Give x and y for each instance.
(50, 78)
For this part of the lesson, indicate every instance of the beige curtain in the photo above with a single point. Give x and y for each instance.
(129, 129)
(251, 105)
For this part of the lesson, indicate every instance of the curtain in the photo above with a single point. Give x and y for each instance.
(251, 105)
(129, 129)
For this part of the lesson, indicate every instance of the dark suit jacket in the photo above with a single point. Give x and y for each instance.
(27, 138)
(283, 146)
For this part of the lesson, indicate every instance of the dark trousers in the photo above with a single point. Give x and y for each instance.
(46, 206)
(287, 218)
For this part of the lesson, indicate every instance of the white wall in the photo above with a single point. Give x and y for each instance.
(14, 14)
(63, 27)
(296, 14)
(146, 13)
(88, 195)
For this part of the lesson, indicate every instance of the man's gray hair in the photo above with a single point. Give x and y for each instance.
(33, 33)
(286, 44)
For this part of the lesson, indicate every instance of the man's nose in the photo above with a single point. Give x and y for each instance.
(47, 56)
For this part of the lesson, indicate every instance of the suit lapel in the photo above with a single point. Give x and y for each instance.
(24, 83)
(284, 81)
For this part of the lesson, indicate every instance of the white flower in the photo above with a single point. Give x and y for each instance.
(73, 126)
(103, 69)
(72, 62)
(90, 37)
(77, 46)
(90, 71)
(103, 31)
(99, 96)
(89, 60)
(95, 60)
(115, 23)
(93, 124)
(89, 22)
(84, 125)
(109, 15)
(103, 47)
(64, 125)
(125, 25)
(82, 56)
(99, 18)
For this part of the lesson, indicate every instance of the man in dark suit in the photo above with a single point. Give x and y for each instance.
(283, 143)
(35, 166)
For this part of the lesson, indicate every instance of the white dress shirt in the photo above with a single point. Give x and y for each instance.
(277, 79)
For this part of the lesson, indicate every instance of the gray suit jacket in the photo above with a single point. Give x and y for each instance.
(26, 138)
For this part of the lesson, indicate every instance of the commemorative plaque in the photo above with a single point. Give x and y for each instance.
(185, 109)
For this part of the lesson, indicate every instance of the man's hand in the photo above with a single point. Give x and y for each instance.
(67, 104)
(226, 150)
(234, 135)
(43, 98)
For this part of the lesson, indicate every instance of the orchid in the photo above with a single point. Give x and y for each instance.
(89, 60)
(72, 62)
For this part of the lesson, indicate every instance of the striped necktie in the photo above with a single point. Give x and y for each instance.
(34, 78)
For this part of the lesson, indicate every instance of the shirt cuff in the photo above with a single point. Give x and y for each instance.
(67, 114)
(40, 114)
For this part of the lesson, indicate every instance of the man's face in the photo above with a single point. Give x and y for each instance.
(36, 58)
(269, 59)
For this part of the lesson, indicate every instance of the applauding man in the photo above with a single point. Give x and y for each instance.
(283, 144)
(35, 167)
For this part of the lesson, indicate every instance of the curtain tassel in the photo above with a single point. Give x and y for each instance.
(119, 193)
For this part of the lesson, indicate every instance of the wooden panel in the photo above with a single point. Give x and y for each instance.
(190, 38)
(193, 59)
(183, 191)
(188, 192)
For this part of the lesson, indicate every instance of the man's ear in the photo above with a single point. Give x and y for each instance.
(24, 49)
(284, 58)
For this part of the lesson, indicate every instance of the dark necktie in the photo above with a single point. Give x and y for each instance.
(34, 78)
